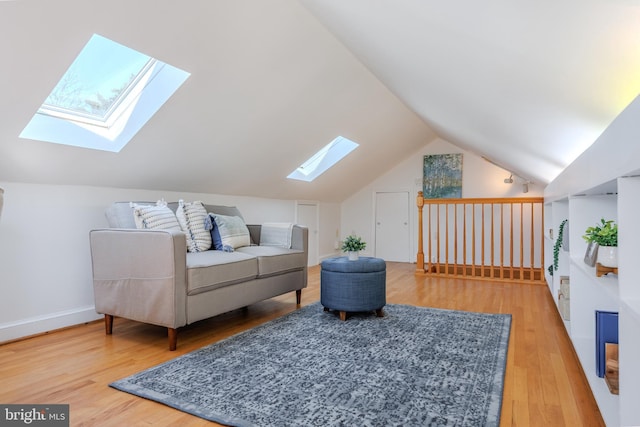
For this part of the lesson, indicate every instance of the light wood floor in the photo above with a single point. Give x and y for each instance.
(544, 385)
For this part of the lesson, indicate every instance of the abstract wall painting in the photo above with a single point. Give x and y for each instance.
(442, 176)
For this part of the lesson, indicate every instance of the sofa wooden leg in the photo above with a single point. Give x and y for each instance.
(173, 338)
(108, 324)
(298, 296)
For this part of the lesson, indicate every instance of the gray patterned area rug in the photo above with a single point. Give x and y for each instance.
(414, 367)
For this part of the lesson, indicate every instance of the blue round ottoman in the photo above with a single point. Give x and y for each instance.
(353, 286)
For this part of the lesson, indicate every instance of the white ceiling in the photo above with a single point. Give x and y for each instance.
(527, 84)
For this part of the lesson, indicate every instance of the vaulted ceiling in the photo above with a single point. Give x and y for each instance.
(527, 84)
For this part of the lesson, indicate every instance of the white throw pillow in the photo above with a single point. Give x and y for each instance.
(233, 231)
(195, 222)
(158, 217)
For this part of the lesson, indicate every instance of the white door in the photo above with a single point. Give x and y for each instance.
(392, 226)
(307, 215)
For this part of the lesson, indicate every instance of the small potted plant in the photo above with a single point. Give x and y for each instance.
(605, 235)
(352, 245)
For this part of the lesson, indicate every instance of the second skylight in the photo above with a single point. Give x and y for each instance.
(325, 158)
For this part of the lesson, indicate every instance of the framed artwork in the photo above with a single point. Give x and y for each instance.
(591, 254)
(442, 176)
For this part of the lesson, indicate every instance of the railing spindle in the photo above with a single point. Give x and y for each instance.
(532, 253)
(521, 241)
(464, 239)
(502, 241)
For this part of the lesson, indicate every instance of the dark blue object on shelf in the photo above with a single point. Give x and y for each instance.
(606, 332)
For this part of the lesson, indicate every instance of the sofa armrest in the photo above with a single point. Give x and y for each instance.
(300, 241)
(254, 233)
(140, 275)
(300, 238)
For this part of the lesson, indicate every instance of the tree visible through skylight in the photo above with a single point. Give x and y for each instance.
(94, 90)
(325, 158)
(108, 93)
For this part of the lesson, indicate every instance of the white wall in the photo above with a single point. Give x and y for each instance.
(479, 179)
(45, 265)
(329, 230)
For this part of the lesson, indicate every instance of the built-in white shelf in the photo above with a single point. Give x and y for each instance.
(604, 182)
(607, 402)
(607, 283)
(588, 293)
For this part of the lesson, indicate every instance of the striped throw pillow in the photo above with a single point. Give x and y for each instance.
(158, 217)
(196, 224)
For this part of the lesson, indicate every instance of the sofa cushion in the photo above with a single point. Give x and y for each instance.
(215, 269)
(196, 224)
(233, 231)
(274, 260)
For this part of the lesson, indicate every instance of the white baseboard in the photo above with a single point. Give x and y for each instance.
(37, 325)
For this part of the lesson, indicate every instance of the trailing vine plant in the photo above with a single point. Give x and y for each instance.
(556, 248)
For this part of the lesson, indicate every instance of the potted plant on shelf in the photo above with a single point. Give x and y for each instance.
(605, 235)
(353, 245)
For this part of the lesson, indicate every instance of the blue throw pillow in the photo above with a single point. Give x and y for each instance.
(215, 235)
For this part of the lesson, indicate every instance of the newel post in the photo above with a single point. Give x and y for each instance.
(420, 255)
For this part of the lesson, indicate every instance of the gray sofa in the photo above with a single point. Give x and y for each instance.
(148, 275)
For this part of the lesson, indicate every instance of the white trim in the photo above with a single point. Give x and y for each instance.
(45, 323)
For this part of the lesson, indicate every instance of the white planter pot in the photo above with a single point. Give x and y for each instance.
(608, 256)
(353, 256)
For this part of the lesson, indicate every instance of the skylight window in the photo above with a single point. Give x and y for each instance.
(328, 156)
(108, 93)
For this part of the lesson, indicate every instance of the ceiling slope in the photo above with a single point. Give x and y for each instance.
(269, 86)
(527, 84)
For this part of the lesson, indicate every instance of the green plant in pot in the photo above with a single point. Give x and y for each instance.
(556, 247)
(352, 245)
(605, 235)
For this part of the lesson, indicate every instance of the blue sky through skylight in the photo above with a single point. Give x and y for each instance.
(105, 97)
(325, 158)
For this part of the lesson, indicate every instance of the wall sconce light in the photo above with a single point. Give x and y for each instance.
(509, 180)
(525, 187)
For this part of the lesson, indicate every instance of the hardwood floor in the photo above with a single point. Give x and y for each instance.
(544, 384)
